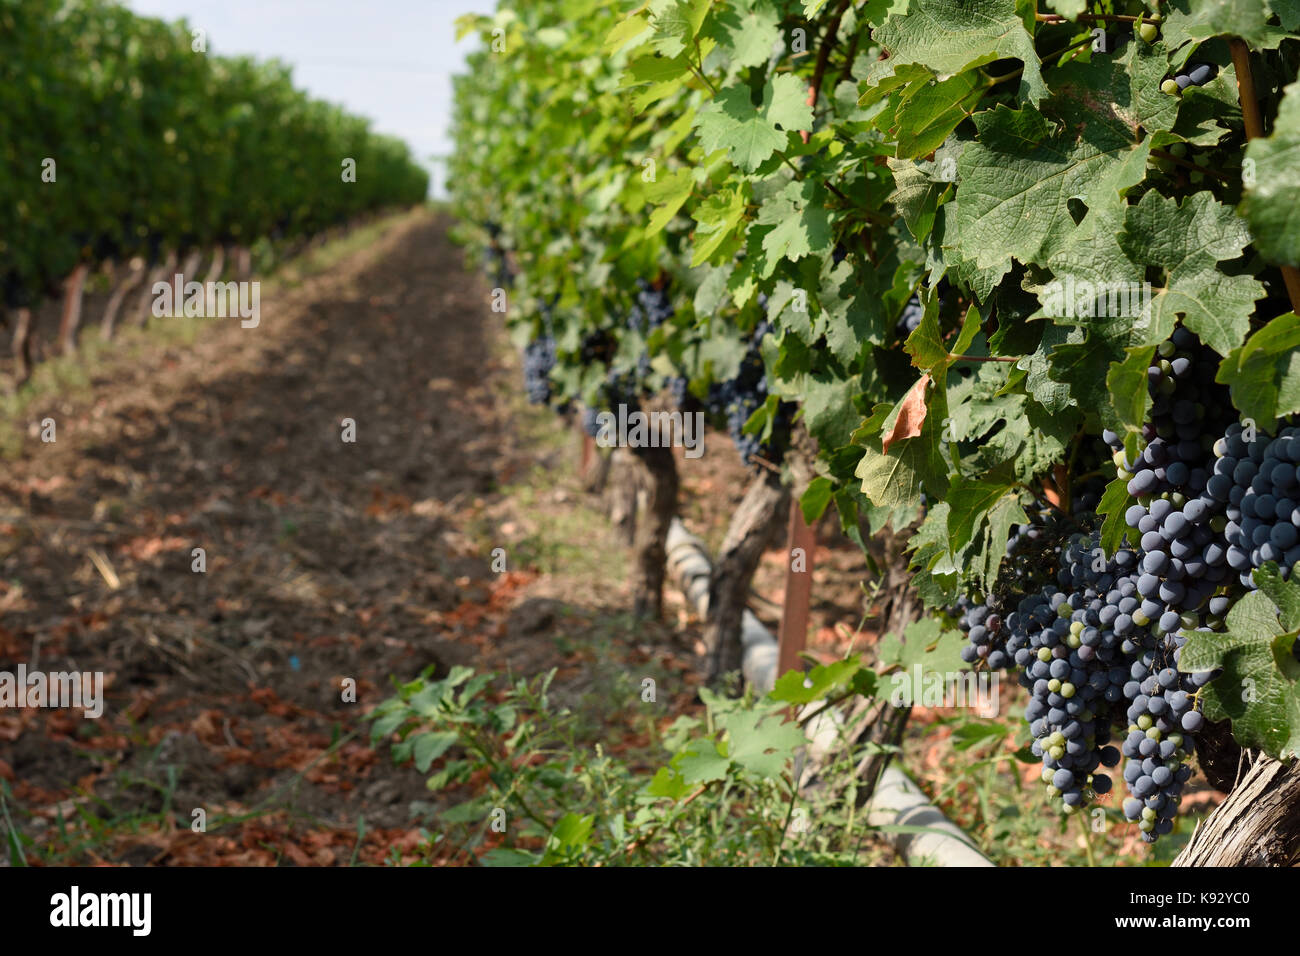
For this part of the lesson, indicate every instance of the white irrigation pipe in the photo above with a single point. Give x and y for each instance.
(925, 835)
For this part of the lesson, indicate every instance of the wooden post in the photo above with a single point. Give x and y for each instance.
(801, 539)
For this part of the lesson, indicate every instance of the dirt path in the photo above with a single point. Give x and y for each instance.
(325, 560)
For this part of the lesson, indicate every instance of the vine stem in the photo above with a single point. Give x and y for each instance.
(700, 71)
(1178, 161)
(982, 358)
(1254, 130)
(1096, 18)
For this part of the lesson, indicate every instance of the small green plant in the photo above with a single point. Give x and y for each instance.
(725, 796)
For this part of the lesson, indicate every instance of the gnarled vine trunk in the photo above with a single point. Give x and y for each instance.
(1258, 825)
(74, 288)
(656, 503)
(766, 500)
(108, 323)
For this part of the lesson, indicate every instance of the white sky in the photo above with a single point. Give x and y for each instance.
(390, 60)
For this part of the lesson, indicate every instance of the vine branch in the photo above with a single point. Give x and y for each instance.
(1254, 130)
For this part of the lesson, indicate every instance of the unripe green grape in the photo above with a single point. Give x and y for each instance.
(1153, 733)
(1144, 722)
(1053, 685)
(1179, 150)
(1169, 87)
(1044, 655)
(1057, 753)
(1140, 619)
(1166, 348)
(1148, 813)
(1146, 826)
(1149, 32)
(1067, 690)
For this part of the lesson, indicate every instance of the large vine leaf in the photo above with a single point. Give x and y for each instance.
(1018, 180)
(751, 134)
(1263, 374)
(1188, 241)
(950, 36)
(1257, 688)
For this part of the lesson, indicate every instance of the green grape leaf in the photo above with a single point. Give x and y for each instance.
(1130, 396)
(749, 34)
(824, 680)
(667, 194)
(676, 23)
(716, 220)
(1263, 373)
(1018, 180)
(853, 305)
(752, 134)
(762, 744)
(1253, 690)
(816, 498)
(701, 762)
(925, 644)
(1285, 594)
(915, 196)
(952, 36)
(1188, 240)
(971, 501)
(1115, 501)
(1192, 20)
(1272, 175)
(801, 220)
(931, 110)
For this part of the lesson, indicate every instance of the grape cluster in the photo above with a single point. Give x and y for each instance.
(1098, 647)
(983, 626)
(736, 399)
(1258, 482)
(1179, 517)
(539, 359)
(650, 310)
(1163, 721)
(1068, 643)
(910, 320)
(1196, 74)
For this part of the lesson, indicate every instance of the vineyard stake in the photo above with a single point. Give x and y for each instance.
(798, 589)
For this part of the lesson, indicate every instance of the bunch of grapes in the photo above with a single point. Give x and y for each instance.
(1258, 483)
(1098, 648)
(1179, 518)
(910, 320)
(1163, 722)
(539, 359)
(650, 310)
(1067, 643)
(736, 399)
(1196, 74)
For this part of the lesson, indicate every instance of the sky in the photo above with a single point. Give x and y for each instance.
(389, 60)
